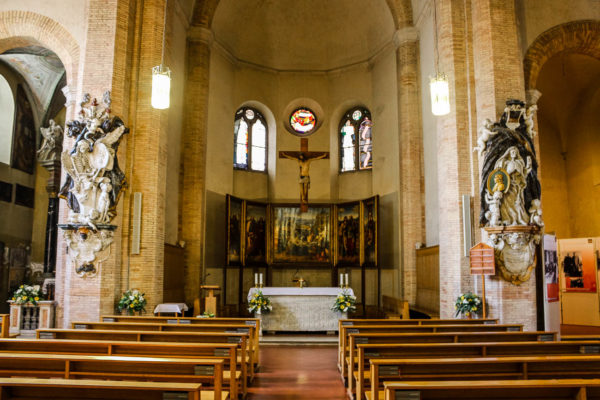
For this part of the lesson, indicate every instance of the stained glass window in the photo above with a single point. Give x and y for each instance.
(356, 140)
(249, 140)
(303, 120)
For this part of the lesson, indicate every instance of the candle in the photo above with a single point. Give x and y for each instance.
(346, 280)
(341, 280)
(260, 280)
(255, 279)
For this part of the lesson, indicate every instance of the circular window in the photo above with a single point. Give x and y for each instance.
(303, 121)
(249, 114)
(356, 115)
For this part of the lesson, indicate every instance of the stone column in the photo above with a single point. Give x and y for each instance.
(52, 187)
(412, 185)
(194, 157)
(499, 76)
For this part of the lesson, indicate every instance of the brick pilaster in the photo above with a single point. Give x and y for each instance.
(194, 158)
(412, 190)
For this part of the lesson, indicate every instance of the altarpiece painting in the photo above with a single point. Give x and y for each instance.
(348, 234)
(256, 233)
(234, 230)
(302, 237)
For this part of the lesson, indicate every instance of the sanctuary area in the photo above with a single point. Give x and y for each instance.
(191, 185)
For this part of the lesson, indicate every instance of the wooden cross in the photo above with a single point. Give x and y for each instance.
(304, 157)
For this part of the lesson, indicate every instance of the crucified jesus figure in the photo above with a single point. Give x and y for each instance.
(304, 159)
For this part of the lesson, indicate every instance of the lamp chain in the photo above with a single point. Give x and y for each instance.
(162, 54)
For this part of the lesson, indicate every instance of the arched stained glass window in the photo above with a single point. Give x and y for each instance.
(356, 140)
(7, 116)
(249, 140)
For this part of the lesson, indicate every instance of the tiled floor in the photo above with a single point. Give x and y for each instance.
(297, 372)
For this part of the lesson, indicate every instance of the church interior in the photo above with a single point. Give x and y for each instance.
(342, 179)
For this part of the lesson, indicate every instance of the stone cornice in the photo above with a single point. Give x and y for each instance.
(405, 35)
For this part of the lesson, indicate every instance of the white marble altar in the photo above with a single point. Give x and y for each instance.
(301, 309)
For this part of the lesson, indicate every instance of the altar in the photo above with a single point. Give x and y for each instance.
(301, 309)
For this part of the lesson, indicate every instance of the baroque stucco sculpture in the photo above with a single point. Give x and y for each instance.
(510, 190)
(93, 184)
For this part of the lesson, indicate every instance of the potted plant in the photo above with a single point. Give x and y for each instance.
(344, 303)
(259, 303)
(467, 304)
(132, 300)
(27, 294)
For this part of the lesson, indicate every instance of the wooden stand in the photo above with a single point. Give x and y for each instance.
(210, 301)
(483, 263)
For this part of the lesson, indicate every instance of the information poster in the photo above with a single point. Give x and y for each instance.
(578, 265)
(551, 268)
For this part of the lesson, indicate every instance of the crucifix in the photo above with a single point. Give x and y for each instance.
(304, 157)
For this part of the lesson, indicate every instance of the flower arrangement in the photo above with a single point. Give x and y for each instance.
(467, 304)
(207, 314)
(259, 303)
(345, 302)
(27, 294)
(132, 300)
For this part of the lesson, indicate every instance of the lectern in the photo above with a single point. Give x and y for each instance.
(210, 301)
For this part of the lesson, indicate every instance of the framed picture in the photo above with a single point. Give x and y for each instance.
(234, 230)
(301, 237)
(24, 196)
(348, 234)
(255, 233)
(370, 216)
(24, 146)
(6, 190)
(551, 268)
(578, 265)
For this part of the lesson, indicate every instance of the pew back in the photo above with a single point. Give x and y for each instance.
(485, 368)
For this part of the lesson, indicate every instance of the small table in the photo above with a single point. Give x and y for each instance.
(171, 308)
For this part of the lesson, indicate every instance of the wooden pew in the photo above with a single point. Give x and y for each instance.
(488, 368)
(4, 325)
(535, 389)
(194, 321)
(30, 389)
(241, 339)
(395, 308)
(219, 351)
(69, 366)
(166, 327)
(392, 321)
(367, 352)
(347, 330)
(580, 337)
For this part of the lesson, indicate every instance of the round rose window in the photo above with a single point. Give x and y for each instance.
(303, 121)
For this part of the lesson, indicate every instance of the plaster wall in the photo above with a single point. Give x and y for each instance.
(71, 14)
(583, 184)
(554, 181)
(535, 17)
(233, 85)
(430, 160)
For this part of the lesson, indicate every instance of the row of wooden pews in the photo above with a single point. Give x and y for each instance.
(216, 356)
(431, 359)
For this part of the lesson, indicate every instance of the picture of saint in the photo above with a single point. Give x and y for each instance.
(348, 233)
(256, 231)
(301, 236)
(234, 229)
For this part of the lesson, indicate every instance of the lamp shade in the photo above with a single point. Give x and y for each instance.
(161, 87)
(440, 94)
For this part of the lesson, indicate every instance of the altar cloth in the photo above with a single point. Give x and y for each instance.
(301, 309)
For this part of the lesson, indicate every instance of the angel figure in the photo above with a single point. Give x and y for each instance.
(52, 142)
(485, 133)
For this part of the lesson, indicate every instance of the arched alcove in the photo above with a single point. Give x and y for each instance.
(7, 117)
